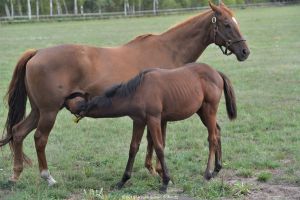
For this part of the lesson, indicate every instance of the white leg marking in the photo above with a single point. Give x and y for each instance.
(45, 174)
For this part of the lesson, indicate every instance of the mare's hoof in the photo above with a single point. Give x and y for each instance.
(160, 173)
(152, 171)
(52, 183)
(163, 189)
(208, 175)
(12, 180)
(119, 185)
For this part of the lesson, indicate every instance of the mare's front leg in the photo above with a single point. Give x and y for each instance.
(154, 125)
(137, 134)
(207, 114)
(148, 160)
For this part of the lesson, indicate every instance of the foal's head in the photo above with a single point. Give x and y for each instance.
(226, 32)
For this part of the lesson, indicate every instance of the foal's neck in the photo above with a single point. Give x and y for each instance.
(189, 39)
(114, 107)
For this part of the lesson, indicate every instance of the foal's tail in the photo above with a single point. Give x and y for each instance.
(229, 97)
(16, 97)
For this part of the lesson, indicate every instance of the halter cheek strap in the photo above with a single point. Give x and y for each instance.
(228, 42)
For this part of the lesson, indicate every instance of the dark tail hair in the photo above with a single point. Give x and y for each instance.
(229, 97)
(16, 97)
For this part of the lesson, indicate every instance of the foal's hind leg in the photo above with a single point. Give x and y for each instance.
(207, 114)
(44, 127)
(218, 158)
(137, 134)
(20, 131)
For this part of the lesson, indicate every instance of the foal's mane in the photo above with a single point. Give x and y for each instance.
(126, 89)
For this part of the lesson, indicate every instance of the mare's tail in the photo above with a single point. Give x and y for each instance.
(16, 97)
(229, 97)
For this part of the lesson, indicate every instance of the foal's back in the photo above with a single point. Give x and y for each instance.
(179, 93)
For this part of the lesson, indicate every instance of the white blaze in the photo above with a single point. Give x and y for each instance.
(234, 20)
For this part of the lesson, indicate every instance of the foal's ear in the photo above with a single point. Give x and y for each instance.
(215, 8)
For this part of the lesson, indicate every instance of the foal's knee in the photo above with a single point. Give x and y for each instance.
(133, 149)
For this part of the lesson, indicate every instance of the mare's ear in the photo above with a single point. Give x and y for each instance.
(215, 8)
(222, 4)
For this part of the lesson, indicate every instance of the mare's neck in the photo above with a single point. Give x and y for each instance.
(189, 39)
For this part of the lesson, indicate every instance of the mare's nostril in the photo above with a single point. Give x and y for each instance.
(245, 52)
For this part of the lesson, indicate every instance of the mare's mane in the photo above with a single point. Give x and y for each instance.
(173, 28)
(188, 21)
(180, 25)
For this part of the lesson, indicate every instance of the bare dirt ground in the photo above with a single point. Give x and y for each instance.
(257, 190)
(264, 191)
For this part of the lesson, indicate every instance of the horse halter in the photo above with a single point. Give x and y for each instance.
(228, 42)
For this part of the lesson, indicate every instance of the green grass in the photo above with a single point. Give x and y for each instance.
(92, 155)
(264, 176)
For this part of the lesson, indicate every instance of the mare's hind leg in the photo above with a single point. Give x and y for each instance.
(207, 114)
(148, 161)
(137, 134)
(158, 167)
(154, 124)
(20, 131)
(44, 127)
(149, 154)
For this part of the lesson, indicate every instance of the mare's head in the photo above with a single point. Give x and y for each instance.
(226, 32)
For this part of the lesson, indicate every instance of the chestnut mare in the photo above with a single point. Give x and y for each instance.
(52, 77)
(157, 96)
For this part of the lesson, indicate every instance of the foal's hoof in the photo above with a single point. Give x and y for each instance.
(119, 185)
(163, 189)
(214, 174)
(208, 175)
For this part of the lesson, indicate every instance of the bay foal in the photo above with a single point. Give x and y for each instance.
(156, 96)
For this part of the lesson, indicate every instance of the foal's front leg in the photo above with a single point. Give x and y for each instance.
(137, 134)
(208, 116)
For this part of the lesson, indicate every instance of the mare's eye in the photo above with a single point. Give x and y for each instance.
(227, 25)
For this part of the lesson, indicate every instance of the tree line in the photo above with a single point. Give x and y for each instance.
(11, 8)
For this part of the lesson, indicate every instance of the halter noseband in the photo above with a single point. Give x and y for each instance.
(228, 42)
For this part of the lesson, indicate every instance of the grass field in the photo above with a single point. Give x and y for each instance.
(262, 145)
